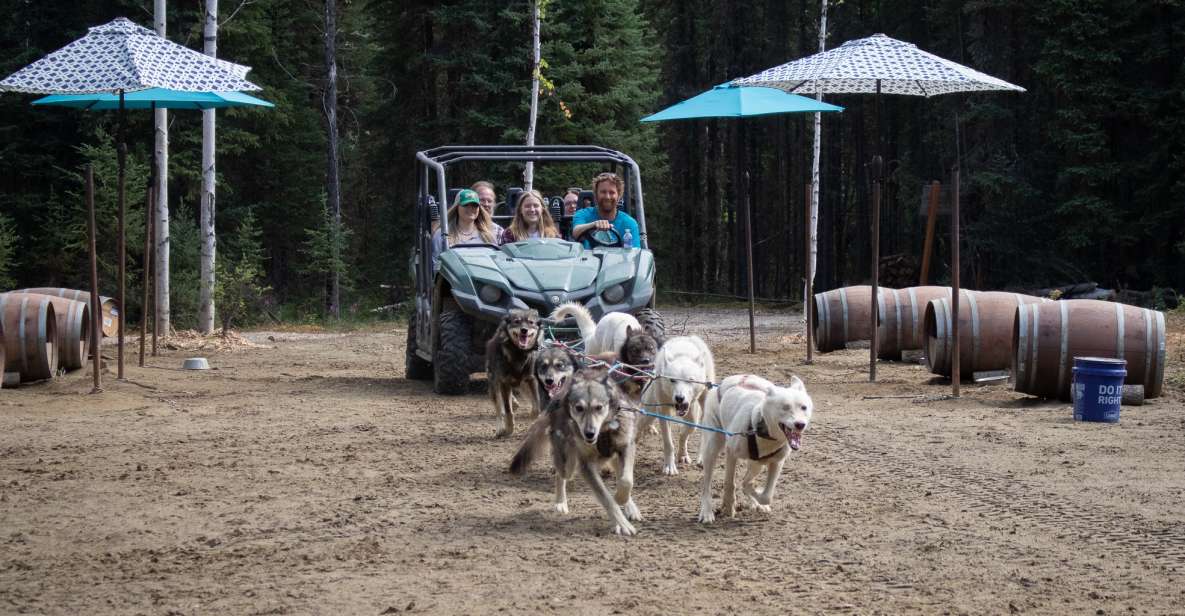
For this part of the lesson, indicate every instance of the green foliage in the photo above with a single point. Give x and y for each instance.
(1080, 178)
(239, 287)
(8, 244)
(324, 250)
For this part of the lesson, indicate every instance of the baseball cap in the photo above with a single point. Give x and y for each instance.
(467, 196)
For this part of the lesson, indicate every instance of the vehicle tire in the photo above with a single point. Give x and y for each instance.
(415, 368)
(652, 322)
(451, 360)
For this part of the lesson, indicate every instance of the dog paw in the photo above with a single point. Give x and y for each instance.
(670, 468)
(561, 507)
(707, 515)
(503, 432)
(625, 529)
(684, 458)
(632, 513)
(653, 429)
(762, 508)
(728, 510)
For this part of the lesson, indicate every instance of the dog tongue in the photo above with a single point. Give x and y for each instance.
(522, 340)
(681, 409)
(795, 440)
(552, 390)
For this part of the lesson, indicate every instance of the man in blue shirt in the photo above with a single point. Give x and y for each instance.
(607, 189)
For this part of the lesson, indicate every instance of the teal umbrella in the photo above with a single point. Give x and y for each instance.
(729, 100)
(154, 98)
(732, 101)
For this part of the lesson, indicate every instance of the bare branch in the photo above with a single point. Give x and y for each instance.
(288, 72)
(236, 11)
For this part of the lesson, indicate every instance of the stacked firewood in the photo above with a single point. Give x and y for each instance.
(899, 271)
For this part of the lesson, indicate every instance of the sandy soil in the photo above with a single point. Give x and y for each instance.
(306, 476)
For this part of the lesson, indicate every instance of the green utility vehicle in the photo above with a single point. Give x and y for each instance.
(461, 298)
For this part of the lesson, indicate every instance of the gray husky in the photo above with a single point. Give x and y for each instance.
(588, 430)
(510, 356)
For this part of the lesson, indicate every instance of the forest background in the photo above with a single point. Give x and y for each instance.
(1080, 178)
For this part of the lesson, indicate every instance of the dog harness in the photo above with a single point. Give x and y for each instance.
(761, 432)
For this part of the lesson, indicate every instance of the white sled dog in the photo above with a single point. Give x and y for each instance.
(769, 421)
(607, 336)
(683, 369)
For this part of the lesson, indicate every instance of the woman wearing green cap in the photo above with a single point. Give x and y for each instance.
(468, 223)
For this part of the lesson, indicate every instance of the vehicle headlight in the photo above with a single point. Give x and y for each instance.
(489, 293)
(614, 294)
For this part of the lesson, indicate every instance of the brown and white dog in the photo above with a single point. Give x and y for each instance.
(510, 355)
(768, 422)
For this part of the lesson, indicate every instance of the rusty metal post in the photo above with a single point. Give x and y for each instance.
(147, 267)
(954, 282)
(749, 263)
(931, 221)
(808, 301)
(877, 167)
(96, 331)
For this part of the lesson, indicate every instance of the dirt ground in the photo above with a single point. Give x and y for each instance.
(307, 476)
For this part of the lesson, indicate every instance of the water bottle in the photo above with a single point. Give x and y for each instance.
(627, 239)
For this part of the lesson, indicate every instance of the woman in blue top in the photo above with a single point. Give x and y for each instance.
(607, 189)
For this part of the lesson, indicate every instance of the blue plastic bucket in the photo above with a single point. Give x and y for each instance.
(1098, 388)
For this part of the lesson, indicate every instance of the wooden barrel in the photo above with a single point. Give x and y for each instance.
(985, 331)
(900, 326)
(844, 315)
(109, 317)
(30, 335)
(1047, 337)
(74, 329)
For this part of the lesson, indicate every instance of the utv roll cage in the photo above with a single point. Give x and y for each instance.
(439, 158)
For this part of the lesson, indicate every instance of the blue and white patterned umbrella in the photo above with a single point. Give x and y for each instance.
(876, 64)
(121, 55)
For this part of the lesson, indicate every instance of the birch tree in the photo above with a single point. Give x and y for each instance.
(529, 173)
(814, 224)
(162, 197)
(206, 228)
(333, 175)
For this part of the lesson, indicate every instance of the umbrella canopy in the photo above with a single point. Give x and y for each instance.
(121, 55)
(876, 64)
(159, 98)
(732, 101)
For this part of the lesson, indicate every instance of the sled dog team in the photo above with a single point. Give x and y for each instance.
(588, 414)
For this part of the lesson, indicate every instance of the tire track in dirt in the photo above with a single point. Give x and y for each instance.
(1003, 497)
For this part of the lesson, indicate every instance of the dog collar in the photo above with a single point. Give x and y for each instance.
(761, 432)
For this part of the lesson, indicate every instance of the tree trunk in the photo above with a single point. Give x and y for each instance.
(529, 172)
(814, 224)
(209, 240)
(333, 178)
(162, 322)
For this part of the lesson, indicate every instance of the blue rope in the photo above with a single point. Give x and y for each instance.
(686, 423)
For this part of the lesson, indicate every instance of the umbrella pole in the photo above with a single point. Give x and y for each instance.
(877, 165)
(749, 263)
(96, 332)
(876, 249)
(121, 154)
(808, 301)
(955, 377)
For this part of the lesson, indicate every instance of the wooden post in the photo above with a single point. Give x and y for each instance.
(96, 304)
(876, 167)
(954, 282)
(808, 299)
(931, 221)
(152, 251)
(147, 268)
